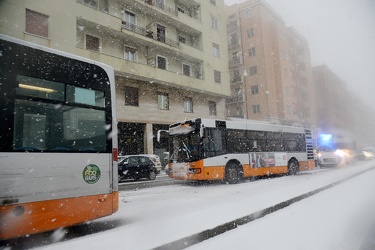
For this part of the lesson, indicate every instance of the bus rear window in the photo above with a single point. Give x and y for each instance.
(34, 87)
(46, 127)
(85, 96)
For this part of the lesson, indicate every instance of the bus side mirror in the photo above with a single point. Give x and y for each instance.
(158, 134)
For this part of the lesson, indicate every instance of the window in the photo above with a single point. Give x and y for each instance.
(160, 4)
(215, 50)
(252, 52)
(129, 54)
(212, 108)
(214, 24)
(213, 2)
(37, 127)
(129, 20)
(160, 33)
(256, 109)
(163, 101)
(238, 94)
(161, 62)
(236, 76)
(186, 69)
(236, 57)
(180, 9)
(253, 70)
(233, 40)
(217, 76)
(91, 3)
(181, 39)
(92, 43)
(254, 89)
(188, 105)
(250, 33)
(131, 96)
(36, 23)
(249, 13)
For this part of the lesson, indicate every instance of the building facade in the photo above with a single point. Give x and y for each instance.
(270, 68)
(338, 108)
(169, 56)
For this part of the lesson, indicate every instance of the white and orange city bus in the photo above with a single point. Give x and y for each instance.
(209, 149)
(58, 150)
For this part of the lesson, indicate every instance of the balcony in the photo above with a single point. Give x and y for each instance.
(236, 80)
(149, 33)
(234, 63)
(183, 16)
(162, 7)
(235, 99)
(147, 72)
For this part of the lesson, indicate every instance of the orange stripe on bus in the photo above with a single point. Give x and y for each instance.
(218, 172)
(48, 215)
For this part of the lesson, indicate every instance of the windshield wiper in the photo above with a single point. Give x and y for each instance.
(187, 150)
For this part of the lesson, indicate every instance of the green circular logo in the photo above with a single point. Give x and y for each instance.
(91, 174)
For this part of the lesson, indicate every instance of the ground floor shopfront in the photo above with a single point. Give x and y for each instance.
(140, 138)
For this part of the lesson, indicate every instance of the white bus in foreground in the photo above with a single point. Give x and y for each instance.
(58, 150)
(209, 149)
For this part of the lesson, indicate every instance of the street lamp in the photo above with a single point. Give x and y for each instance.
(244, 75)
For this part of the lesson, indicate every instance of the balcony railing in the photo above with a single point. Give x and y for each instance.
(235, 62)
(162, 6)
(235, 99)
(108, 58)
(149, 33)
(235, 80)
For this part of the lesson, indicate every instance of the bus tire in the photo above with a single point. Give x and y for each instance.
(293, 167)
(233, 173)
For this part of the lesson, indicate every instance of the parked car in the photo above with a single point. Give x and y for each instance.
(366, 154)
(156, 160)
(136, 167)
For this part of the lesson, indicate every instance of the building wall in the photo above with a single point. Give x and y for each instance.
(338, 108)
(69, 22)
(331, 98)
(282, 96)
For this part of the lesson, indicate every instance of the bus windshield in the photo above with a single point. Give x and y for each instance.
(185, 148)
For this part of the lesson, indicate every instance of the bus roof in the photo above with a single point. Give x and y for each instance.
(245, 125)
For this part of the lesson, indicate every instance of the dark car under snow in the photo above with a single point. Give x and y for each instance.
(136, 167)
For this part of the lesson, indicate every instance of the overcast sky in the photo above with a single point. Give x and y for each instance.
(341, 34)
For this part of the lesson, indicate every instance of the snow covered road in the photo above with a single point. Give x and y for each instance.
(151, 217)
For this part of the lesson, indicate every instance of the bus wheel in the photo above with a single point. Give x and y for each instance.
(232, 173)
(293, 167)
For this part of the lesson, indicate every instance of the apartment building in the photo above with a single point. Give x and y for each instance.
(169, 56)
(332, 96)
(337, 107)
(270, 68)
